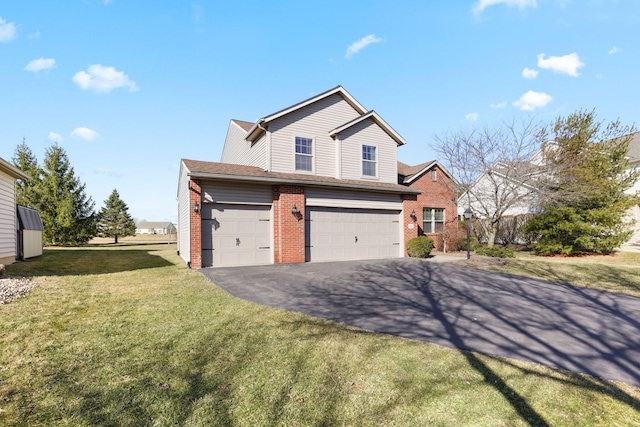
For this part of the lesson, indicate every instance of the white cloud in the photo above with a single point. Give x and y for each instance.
(40, 64)
(567, 64)
(614, 50)
(472, 117)
(8, 31)
(198, 12)
(103, 79)
(361, 44)
(528, 73)
(106, 2)
(532, 100)
(34, 36)
(55, 137)
(499, 105)
(84, 133)
(600, 76)
(520, 4)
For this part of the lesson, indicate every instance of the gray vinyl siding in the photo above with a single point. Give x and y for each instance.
(7, 216)
(313, 121)
(239, 151)
(352, 199)
(369, 133)
(236, 193)
(184, 214)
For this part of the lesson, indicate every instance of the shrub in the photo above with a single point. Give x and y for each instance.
(419, 247)
(462, 243)
(495, 251)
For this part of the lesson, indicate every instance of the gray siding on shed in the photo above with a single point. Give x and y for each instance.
(184, 215)
(7, 216)
(313, 121)
(369, 133)
(239, 151)
(236, 193)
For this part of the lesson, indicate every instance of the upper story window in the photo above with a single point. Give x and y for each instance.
(433, 220)
(434, 175)
(369, 162)
(304, 154)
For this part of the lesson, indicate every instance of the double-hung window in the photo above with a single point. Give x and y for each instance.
(433, 220)
(369, 162)
(304, 154)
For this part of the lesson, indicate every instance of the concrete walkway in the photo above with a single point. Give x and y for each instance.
(581, 330)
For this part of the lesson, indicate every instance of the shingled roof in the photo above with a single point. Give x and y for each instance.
(201, 169)
(244, 125)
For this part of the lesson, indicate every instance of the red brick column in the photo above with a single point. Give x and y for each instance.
(410, 204)
(195, 221)
(288, 229)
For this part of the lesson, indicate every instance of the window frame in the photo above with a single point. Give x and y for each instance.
(310, 156)
(433, 221)
(368, 161)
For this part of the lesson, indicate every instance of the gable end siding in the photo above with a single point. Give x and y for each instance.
(369, 133)
(184, 226)
(313, 121)
(239, 151)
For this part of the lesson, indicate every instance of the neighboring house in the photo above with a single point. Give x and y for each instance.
(634, 162)
(8, 216)
(317, 181)
(146, 227)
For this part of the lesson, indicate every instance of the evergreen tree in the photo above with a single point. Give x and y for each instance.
(67, 212)
(588, 199)
(27, 192)
(114, 219)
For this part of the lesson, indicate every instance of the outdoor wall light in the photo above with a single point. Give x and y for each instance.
(196, 207)
(413, 215)
(295, 210)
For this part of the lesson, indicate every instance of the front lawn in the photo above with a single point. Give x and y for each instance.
(618, 272)
(127, 336)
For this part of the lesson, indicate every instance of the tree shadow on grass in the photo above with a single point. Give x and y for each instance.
(84, 261)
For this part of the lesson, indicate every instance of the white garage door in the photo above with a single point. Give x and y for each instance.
(335, 234)
(234, 235)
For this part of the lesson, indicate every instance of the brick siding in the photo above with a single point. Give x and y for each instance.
(195, 195)
(289, 229)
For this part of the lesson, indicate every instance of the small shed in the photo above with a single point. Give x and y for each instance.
(29, 231)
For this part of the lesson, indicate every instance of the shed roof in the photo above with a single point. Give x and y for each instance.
(29, 219)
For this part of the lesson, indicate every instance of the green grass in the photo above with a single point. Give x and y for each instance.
(619, 272)
(127, 336)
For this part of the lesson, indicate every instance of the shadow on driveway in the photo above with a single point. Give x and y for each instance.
(576, 329)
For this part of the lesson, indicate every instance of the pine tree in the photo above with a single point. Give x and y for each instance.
(589, 199)
(27, 192)
(114, 219)
(67, 212)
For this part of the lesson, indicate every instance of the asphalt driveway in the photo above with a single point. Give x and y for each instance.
(581, 330)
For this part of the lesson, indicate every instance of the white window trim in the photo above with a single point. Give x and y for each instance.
(377, 162)
(313, 155)
(433, 220)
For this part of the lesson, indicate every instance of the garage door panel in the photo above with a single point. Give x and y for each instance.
(349, 234)
(235, 235)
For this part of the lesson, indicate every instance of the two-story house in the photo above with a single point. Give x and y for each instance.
(317, 181)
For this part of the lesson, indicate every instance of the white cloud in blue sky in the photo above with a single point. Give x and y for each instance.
(528, 73)
(103, 79)
(357, 46)
(567, 64)
(532, 100)
(498, 105)
(8, 31)
(85, 134)
(481, 5)
(41, 64)
(472, 117)
(614, 50)
(55, 137)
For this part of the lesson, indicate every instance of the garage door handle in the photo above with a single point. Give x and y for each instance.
(237, 241)
(356, 239)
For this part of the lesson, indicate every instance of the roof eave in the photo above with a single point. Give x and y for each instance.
(379, 121)
(13, 171)
(208, 175)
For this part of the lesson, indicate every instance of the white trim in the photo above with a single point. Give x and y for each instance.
(313, 155)
(378, 120)
(376, 161)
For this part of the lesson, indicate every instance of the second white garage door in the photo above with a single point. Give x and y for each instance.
(334, 234)
(234, 235)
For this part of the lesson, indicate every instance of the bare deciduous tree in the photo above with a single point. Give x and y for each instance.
(497, 169)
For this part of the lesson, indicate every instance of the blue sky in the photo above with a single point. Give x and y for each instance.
(128, 88)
